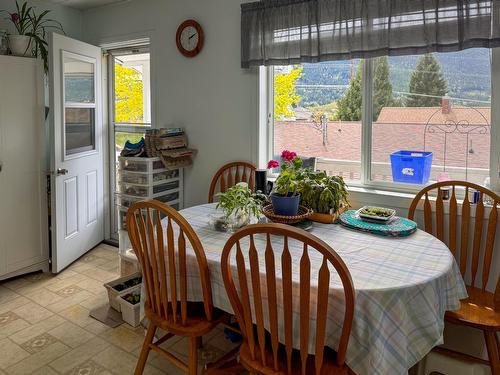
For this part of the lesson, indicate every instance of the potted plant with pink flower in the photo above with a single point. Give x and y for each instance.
(285, 197)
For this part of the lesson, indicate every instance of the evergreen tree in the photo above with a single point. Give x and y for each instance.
(428, 79)
(349, 106)
(382, 87)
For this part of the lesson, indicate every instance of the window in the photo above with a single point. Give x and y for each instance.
(130, 109)
(388, 121)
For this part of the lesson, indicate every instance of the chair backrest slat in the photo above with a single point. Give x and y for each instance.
(182, 275)
(272, 299)
(171, 269)
(464, 230)
(305, 299)
(478, 236)
(321, 314)
(257, 298)
(427, 214)
(229, 175)
(440, 215)
(163, 271)
(481, 244)
(286, 275)
(490, 244)
(452, 235)
(240, 299)
(153, 240)
(247, 312)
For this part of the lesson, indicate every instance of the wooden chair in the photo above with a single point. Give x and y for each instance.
(163, 263)
(481, 309)
(229, 175)
(261, 352)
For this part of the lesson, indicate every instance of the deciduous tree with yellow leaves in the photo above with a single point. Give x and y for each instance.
(285, 92)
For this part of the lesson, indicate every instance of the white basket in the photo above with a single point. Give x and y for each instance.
(131, 314)
(113, 293)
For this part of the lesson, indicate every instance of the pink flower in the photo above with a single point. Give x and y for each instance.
(288, 155)
(272, 164)
(14, 17)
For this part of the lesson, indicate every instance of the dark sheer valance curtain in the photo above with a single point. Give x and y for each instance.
(283, 32)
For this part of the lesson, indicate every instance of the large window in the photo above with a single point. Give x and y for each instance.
(391, 121)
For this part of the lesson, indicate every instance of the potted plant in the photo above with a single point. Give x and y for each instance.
(285, 197)
(31, 32)
(120, 286)
(130, 306)
(238, 204)
(326, 195)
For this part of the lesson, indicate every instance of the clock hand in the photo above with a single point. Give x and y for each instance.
(192, 36)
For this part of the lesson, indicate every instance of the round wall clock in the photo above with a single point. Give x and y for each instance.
(189, 38)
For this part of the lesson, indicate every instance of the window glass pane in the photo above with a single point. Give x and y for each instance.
(317, 113)
(437, 103)
(79, 130)
(132, 93)
(78, 81)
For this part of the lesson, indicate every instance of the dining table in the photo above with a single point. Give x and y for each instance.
(403, 286)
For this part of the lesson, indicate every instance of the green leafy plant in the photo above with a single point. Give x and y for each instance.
(240, 200)
(324, 194)
(288, 180)
(28, 23)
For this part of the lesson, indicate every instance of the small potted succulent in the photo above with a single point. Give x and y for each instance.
(239, 205)
(285, 197)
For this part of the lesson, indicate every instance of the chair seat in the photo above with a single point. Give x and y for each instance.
(196, 322)
(329, 365)
(477, 311)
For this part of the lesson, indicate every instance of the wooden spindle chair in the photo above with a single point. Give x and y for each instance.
(261, 351)
(229, 175)
(163, 262)
(481, 309)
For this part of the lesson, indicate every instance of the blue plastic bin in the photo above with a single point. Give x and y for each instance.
(411, 167)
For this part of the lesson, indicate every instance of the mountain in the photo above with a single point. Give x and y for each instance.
(467, 72)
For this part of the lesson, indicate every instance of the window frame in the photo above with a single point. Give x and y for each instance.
(366, 182)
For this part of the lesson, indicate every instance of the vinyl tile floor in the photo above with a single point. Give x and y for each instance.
(45, 327)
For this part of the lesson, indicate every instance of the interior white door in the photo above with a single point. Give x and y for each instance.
(76, 149)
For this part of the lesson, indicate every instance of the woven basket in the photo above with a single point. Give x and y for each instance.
(303, 214)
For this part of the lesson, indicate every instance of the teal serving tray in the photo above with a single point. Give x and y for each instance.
(397, 227)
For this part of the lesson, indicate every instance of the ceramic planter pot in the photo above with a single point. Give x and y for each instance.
(285, 205)
(20, 45)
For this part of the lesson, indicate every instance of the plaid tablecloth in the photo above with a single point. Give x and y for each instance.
(403, 288)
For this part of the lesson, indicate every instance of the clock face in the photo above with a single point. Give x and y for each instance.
(189, 38)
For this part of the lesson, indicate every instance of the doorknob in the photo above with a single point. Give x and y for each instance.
(61, 171)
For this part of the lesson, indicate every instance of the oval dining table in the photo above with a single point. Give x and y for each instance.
(403, 288)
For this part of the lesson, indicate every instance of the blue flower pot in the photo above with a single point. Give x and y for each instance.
(285, 205)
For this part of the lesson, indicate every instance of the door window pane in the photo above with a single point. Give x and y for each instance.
(438, 103)
(78, 81)
(79, 130)
(317, 114)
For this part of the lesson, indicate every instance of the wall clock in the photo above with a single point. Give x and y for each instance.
(189, 38)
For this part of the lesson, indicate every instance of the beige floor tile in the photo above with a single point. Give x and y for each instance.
(59, 284)
(88, 367)
(39, 343)
(96, 327)
(91, 285)
(45, 370)
(79, 355)
(124, 338)
(71, 335)
(107, 252)
(12, 327)
(13, 304)
(78, 315)
(72, 300)
(11, 353)
(32, 312)
(111, 266)
(37, 329)
(95, 301)
(39, 359)
(15, 283)
(126, 363)
(102, 275)
(44, 297)
(67, 273)
(7, 295)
